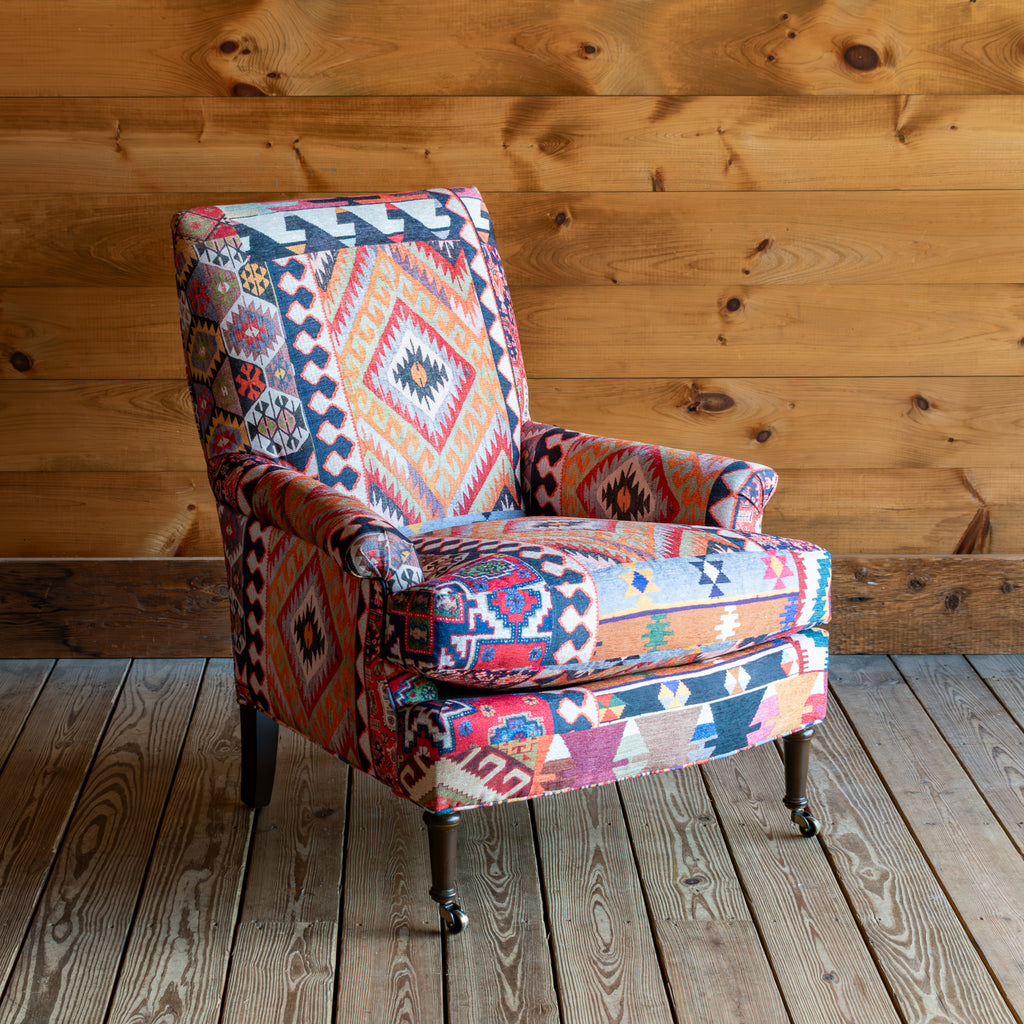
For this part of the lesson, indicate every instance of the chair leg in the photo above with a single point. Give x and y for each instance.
(259, 755)
(442, 834)
(797, 753)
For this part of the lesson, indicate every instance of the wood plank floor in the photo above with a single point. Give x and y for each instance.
(134, 887)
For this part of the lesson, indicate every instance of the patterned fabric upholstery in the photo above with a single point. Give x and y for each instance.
(541, 601)
(571, 474)
(510, 745)
(464, 603)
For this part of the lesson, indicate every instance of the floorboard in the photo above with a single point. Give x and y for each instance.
(286, 948)
(975, 861)
(504, 971)
(177, 957)
(42, 779)
(135, 887)
(699, 913)
(72, 953)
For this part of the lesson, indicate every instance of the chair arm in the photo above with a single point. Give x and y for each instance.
(347, 529)
(566, 473)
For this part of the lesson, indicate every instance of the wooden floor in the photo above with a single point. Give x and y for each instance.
(135, 887)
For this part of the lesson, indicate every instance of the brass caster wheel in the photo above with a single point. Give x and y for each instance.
(809, 825)
(455, 918)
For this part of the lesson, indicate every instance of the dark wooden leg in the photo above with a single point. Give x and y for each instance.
(797, 752)
(259, 755)
(442, 834)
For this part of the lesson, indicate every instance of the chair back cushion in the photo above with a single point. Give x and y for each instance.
(369, 342)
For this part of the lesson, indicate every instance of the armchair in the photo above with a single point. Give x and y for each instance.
(466, 604)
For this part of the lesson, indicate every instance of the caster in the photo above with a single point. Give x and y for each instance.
(809, 825)
(454, 917)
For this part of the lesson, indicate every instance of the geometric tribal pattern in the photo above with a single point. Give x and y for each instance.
(466, 604)
(567, 473)
(513, 746)
(538, 602)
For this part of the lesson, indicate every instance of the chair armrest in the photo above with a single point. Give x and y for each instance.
(566, 473)
(347, 529)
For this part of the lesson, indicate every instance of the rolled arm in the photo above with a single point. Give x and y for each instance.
(567, 473)
(349, 530)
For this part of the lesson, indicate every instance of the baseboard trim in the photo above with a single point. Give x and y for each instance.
(177, 607)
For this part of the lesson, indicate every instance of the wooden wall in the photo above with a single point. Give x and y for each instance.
(787, 232)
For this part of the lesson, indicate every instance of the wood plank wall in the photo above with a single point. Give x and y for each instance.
(792, 232)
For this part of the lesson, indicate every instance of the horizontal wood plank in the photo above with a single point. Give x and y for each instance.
(177, 607)
(709, 238)
(775, 331)
(802, 423)
(104, 426)
(583, 331)
(900, 511)
(501, 143)
(928, 605)
(921, 237)
(156, 608)
(103, 515)
(82, 333)
(787, 423)
(396, 48)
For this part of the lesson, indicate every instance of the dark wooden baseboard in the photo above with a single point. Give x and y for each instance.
(177, 607)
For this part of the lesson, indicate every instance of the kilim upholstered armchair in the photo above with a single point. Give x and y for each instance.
(469, 605)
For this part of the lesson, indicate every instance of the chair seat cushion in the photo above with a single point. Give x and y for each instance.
(535, 602)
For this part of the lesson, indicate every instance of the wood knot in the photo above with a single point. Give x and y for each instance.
(228, 46)
(861, 575)
(22, 361)
(561, 218)
(764, 244)
(922, 403)
(861, 58)
(587, 51)
(916, 583)
(734, 304)
(762, 435)
(954, 599)
(708, 401)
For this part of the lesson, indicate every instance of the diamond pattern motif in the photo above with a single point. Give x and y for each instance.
(419, 375)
